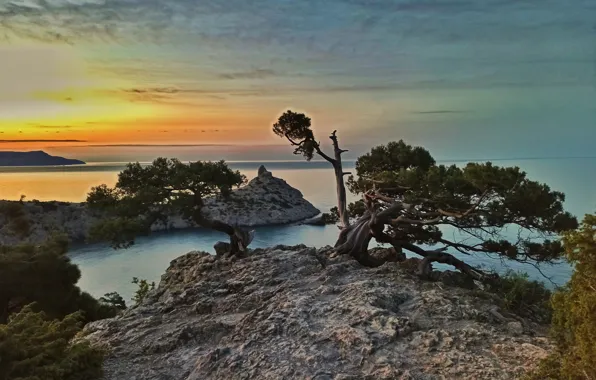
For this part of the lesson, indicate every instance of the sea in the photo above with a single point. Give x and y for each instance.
(104, 269)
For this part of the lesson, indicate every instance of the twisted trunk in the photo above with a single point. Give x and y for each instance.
(354, 241)
(239, 238)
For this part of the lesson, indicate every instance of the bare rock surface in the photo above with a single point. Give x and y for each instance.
(299, 313)
(265, 200)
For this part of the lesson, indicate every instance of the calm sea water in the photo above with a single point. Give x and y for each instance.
(104, 270)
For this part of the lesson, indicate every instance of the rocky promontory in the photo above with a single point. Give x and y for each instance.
(302, 313)
(265, 200)
(34, 158)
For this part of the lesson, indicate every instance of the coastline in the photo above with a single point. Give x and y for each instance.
(265, 201)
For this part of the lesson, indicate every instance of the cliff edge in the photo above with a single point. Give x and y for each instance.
(300, 313)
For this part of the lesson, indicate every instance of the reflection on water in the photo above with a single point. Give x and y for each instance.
(104, 269)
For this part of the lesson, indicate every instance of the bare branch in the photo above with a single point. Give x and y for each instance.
(403, 220)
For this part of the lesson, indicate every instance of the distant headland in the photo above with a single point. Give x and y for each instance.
(34, 158)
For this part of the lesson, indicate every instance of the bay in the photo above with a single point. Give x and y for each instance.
(104, 269)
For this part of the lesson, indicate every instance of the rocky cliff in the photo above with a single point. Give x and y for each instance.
(265, 200)
(300, 313)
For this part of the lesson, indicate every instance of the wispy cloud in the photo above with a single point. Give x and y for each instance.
(54, 126)
(438, 112)
(252, 74)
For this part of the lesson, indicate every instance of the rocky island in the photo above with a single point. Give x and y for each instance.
(302, 313)
(34, 158)
(265, 200)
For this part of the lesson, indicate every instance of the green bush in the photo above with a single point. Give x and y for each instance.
(574, 312)
(142, 291)
(330, 218)
(32, 347)
(523, 296)
(11, 209)
(113, 299)
(45, 275)
(20, 226)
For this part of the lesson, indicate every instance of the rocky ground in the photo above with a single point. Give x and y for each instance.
(265, 200)
(299, 313)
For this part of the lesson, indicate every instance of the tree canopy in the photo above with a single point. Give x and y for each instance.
(296, 128)
(409, 200)
(45, 275)
(145, 195)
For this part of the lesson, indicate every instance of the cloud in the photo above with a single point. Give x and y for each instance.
(205, 47)
(54, 126)
(253, 74)
(438, 112)
(152, 145)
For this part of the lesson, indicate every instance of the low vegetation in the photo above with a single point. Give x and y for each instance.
(144, 287)
(45, 275)
(34, 346)
(41, 310)
(574, 312)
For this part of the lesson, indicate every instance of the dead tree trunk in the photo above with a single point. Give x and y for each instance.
(342, 202)
(344, 218)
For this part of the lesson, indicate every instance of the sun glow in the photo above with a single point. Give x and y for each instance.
(46, 93)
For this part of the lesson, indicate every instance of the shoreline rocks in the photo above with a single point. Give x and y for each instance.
(301, 313)
(265, 200)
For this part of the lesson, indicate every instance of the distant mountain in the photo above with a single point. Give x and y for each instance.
(35, 158)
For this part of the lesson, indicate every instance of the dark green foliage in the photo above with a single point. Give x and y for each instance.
(145, 195)
(33, 347)
(20, 226)
(331, 217)
(523, 296)
(45, 275)
(574, 316)
(296, 128)
(14, 215)
(11, 210)
(480, 201)
(113, 299)
(143, 290)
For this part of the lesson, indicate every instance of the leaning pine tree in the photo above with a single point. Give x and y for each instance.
(145, 196)
(408, 201)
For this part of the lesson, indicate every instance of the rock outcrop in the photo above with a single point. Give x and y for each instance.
(265, 200)
(299, 313)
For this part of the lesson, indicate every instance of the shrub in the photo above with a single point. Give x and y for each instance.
(330, 218)
(20, 226)
(574, 315)
(45, 275)
(142, 291)
(528, 298)
(11, 209)
(113, 299)
(32, 347)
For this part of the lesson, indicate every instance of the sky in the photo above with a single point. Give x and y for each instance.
(464, 78)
